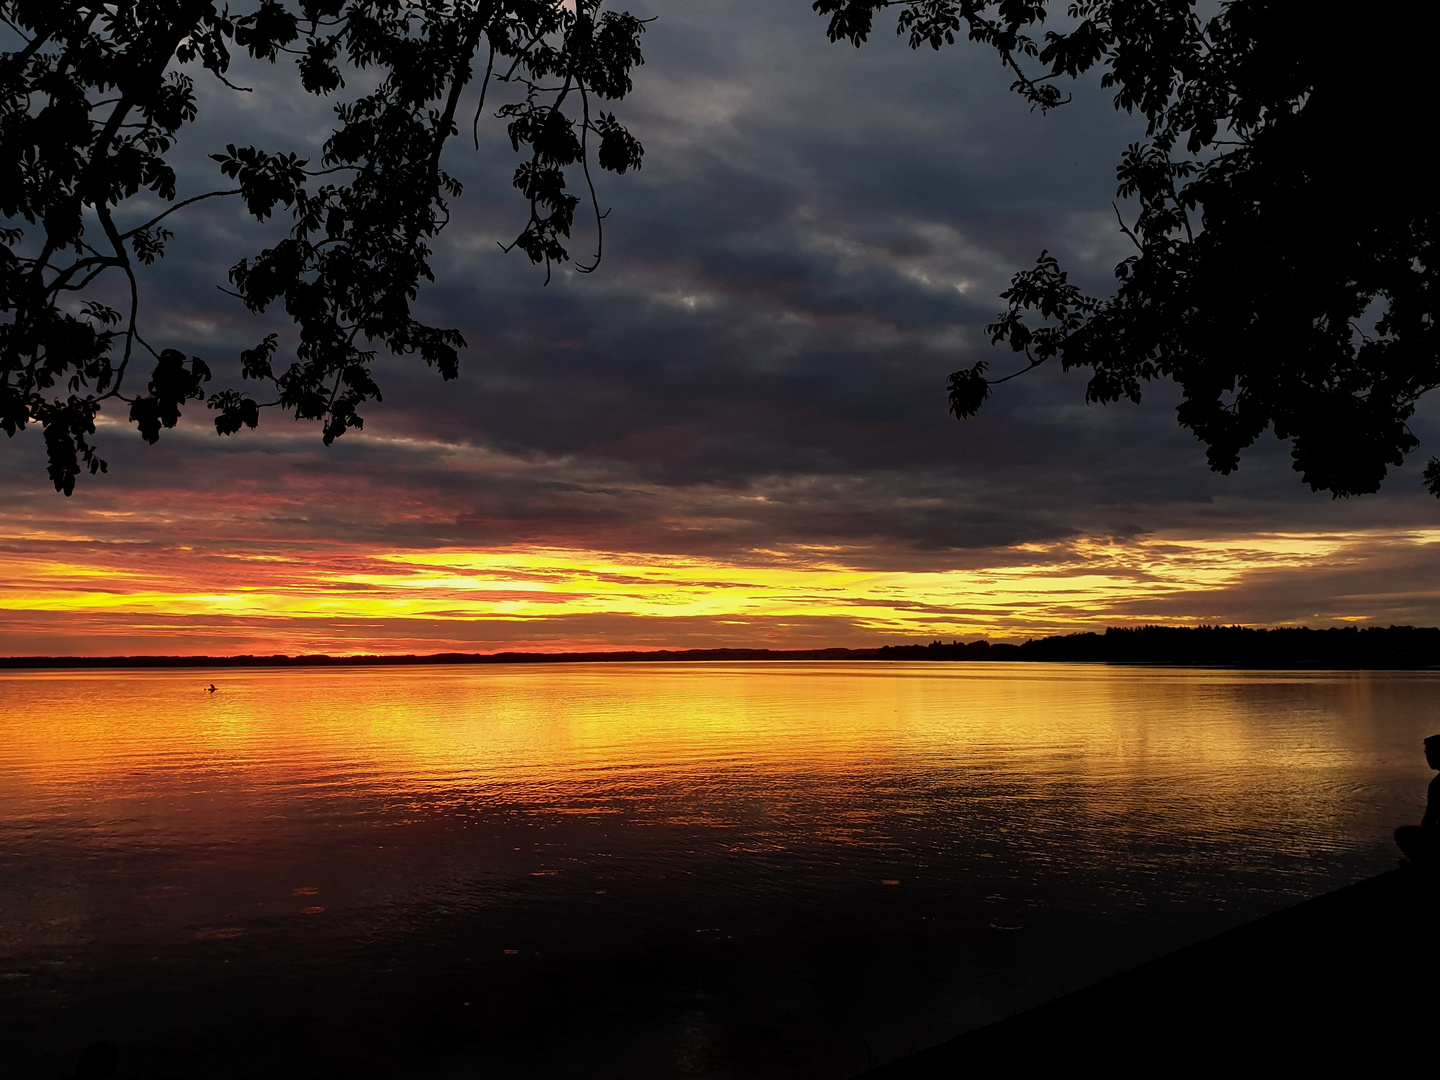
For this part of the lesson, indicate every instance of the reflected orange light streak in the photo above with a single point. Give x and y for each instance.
(546, 729)
(689, 744)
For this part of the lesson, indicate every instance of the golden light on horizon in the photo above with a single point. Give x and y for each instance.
(1013, 593)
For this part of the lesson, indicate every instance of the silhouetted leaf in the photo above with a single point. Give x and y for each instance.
(88, 115)
(1264, 247)
(968, 390)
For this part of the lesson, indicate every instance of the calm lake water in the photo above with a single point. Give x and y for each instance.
(634, 870)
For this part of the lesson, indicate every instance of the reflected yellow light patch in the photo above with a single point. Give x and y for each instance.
(1016, 592)
(801, 749)
(469, 728)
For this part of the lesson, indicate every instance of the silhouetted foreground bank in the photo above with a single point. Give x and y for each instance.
(1217, 646)
(1346, 978)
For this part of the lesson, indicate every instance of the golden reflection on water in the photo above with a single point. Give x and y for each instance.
(1210, 752)
(922, 847)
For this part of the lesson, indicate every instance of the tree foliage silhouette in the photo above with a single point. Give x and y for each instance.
(94, 97)
(1285, 226)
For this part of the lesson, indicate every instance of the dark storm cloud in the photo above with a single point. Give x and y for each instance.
(817, 238)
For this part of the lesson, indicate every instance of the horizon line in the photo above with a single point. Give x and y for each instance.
(936, 649)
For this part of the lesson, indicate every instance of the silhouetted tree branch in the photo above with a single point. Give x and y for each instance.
(1287, 222)
(93, 99)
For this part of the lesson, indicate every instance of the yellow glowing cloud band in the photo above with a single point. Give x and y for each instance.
(1028, 589)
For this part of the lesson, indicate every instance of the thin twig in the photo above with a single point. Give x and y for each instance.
(1125, 228)
(589, 183)
(1014, 374)
(484, 88)
(178, 206)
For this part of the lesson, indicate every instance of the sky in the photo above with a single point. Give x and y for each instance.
(734, 433)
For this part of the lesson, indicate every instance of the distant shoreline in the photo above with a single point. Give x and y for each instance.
(1293, 648)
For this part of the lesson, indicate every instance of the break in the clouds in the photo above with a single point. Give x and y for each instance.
(752, 381)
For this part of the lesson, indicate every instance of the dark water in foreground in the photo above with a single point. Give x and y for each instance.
(747, 870)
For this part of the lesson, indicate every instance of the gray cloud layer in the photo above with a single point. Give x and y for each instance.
(816, 240)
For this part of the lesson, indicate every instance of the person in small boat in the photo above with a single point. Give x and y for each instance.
(210, 688)
(1421, 843)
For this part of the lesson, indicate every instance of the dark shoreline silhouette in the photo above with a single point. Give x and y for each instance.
(1300, 648)
(1327, 983)
(1324, 984)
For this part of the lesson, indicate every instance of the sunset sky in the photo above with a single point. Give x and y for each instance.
(733, 433)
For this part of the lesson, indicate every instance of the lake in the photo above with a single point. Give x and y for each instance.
(744, 870)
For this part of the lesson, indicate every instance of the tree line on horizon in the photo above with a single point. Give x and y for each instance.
(1372, 647)
(1226, 646)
